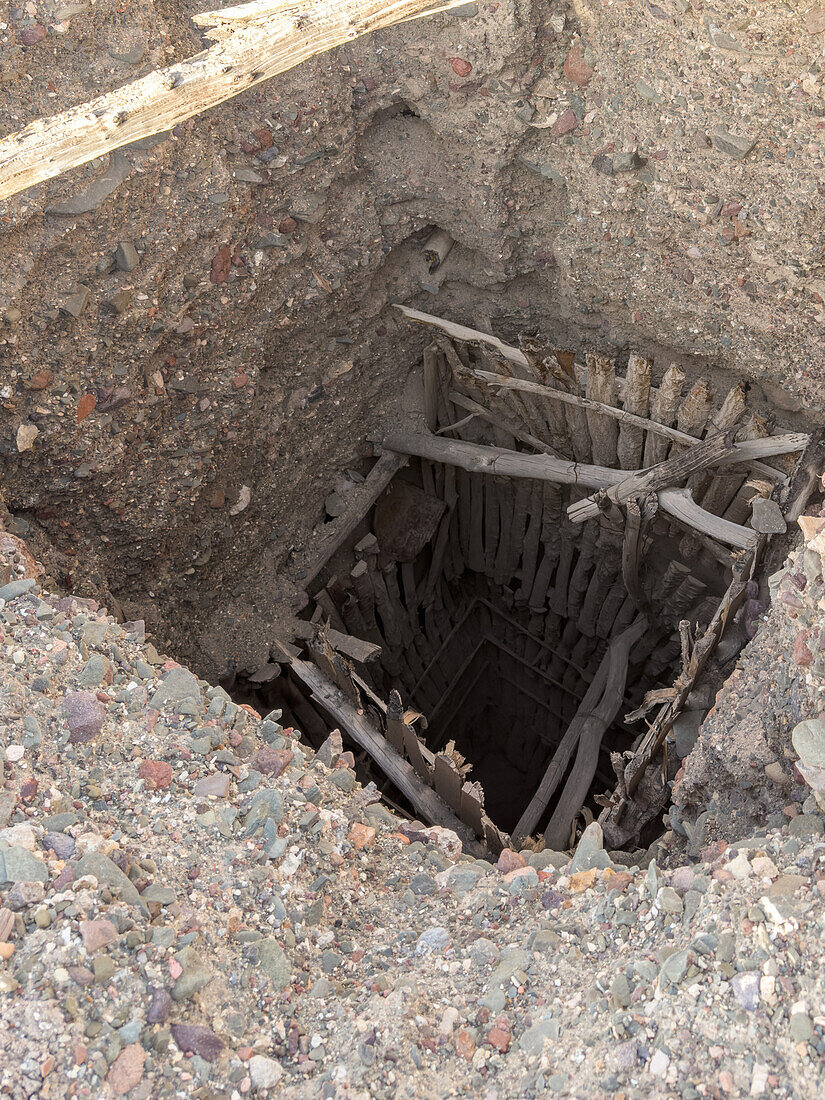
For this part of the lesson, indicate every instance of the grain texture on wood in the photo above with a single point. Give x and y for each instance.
(493, 460)
(255, 41)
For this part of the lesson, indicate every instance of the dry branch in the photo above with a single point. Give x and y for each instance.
(493, 460)
(658, 477)
(256, 41)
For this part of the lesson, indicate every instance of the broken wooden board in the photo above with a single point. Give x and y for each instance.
(359, 501)
(423, 797)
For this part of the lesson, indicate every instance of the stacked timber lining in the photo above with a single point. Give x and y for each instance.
(542, 548)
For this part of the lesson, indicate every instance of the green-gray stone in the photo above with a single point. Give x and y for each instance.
(163, 895)
(734, 145)
(104, 870)
(274, 963)
(20, 865)
(674, 969)
(196, 974)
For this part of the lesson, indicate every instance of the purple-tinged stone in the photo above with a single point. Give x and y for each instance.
(159, 1007)
(84, 715)
(197, 1039)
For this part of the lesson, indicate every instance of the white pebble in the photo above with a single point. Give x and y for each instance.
(14, 753)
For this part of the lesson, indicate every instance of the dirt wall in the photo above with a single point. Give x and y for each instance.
(646, 176)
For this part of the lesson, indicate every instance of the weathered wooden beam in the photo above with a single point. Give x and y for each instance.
(663, 411)
(746, 451)
(256, 41)
(590, 737)
(636, 401)
(493, 460)
(359, 501)
(561, 758)
(426, 801)
(658, 477)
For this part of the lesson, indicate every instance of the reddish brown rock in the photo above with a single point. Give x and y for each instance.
(272, 762)
(197, 1039)
(361, 836)
(287, 226)
(499, 1038)
(28, 789)
(85, 406)
(564, 124)
(127, 1069)
(96, 934)
(802, 655)
(221, 263)
(464, 1045)
(157, 773)
(576, 69)
(509, 861)
(460, 66)
(30, 36)
(42, 380)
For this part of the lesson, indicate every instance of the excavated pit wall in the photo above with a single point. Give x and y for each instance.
(577, 155)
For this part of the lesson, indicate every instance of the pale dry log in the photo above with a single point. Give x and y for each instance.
(636, 401)
(601, 387)
(590, 733)
(670, 472)
(695, 409)
(750, 451)
(425, 800)
(255, 42)
(561, 758)
(492, 460)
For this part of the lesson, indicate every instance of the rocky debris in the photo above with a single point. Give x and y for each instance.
(199, 935)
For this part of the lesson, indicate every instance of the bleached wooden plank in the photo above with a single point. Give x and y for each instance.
(255, 42)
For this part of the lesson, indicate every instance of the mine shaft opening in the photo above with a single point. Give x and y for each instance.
(519, 615)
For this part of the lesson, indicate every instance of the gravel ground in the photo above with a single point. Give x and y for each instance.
(193, 904)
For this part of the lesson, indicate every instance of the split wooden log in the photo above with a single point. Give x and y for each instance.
(593, 728)
(255, 42)
(665, 407)
(601, 388)
(492, 460)
(695, 409)
(636, 401)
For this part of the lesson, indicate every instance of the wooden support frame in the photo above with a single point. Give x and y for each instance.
(255, 42)
(420, 794)
(494, 460)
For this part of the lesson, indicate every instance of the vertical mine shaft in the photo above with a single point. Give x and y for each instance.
(525, 575)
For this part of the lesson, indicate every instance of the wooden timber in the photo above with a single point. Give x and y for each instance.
(492, 460)
(255, 42)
